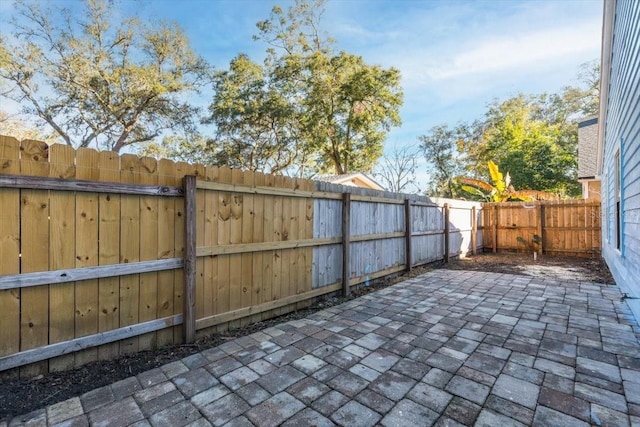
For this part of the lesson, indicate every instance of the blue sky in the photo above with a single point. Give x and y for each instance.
(454, 56)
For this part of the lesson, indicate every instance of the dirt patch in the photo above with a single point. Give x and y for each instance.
(554, 267)
(23, 396)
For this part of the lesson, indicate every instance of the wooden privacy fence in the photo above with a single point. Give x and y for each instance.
(103, 254)
(566, 227)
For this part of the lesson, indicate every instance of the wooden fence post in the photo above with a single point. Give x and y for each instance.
(495, 229)
(346, 231)
(446, 232)
(189, 314)
(540, 212)
(474, 229)
(407, 221)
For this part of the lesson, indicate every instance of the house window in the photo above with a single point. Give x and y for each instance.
(616, 198)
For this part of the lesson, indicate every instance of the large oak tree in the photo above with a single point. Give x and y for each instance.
(98, 79)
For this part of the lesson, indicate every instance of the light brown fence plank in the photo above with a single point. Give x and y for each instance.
(235, 236)
(210, 238)
(148, 308)
(286, 261)
(86, 222)
(62, 244)
(109, 252)
(34, 223)
(166, 249)
(257, 293)
(246, 281)
(276, 234)
(268, 293)
(129, 251)
(9, 250)
(224, 238)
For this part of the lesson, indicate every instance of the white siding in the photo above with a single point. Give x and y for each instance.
(622, 134)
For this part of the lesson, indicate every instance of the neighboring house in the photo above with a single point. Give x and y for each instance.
(587, 156)
(352, 180)
(619, 145)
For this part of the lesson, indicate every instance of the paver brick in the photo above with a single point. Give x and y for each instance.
(600, 396)
(462, 410)
(549, 417)
(224, 409)
(608, 417)
(209, 395)
(468, 389)
(375, 401)
(122, 412)
(175, 416)
(193, 382)
(429, 396)
(223, 366)
(364, 372)
(161, 402)
(308, 390)
(253, 394)
(126, 387)
(329, 403)
(174, 369)
(96, 398)
(392, 385)
(280, 379)
(64, 411)
(308, 417)
(354, 414)
(488, 418)
(274, 411)
(516, 390)
(632, 391)
(509, 409)
(154, 392)
(308, 364)
(152, 377)
(348, 384)
(284, 356)
(239, 377)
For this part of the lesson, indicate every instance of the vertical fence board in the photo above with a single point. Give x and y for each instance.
(224, 238)
(200, 219)
(62, 244)
(109, 252)
(9, 250)
(129, 251)
(286, 261)
(257, 293)
(210, 238)
(248, 206)
(148, 308)
(166, 248)
(86, 214)
(276, 235)
(235, 236)
(267, 256)
(34, 223)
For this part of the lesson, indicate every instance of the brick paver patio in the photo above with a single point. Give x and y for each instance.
(448, 348)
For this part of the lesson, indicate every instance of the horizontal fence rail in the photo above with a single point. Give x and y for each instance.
(102, 255)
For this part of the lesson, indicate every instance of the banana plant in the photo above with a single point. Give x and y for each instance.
(500, 189)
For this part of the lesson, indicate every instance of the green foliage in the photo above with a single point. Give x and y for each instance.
(309, 106)
(98, 79)
(439, 148)
(500, 189)
(533, 137)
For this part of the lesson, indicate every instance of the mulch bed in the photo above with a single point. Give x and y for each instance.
(23, 396)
